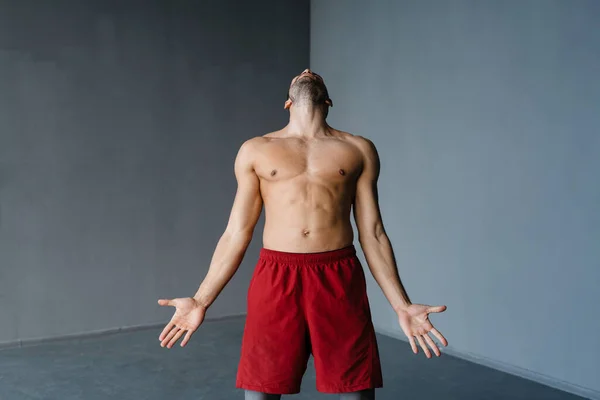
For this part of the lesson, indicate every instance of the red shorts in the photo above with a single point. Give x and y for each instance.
(303, 304)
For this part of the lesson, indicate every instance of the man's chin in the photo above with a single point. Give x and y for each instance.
(306, 78)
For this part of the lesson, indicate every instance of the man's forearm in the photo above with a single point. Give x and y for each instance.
(226, 259)
(380, 258)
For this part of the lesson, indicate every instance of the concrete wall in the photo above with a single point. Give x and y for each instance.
(486, 116)
(119, 124)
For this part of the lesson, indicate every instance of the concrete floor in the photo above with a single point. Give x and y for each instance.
(132, 365)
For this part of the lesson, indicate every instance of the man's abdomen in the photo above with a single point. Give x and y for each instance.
(307, 215)
(298, 232)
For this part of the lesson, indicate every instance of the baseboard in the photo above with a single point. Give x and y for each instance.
(103, 332)
(509, 369)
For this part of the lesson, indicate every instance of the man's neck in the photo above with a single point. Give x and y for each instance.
(307, 122)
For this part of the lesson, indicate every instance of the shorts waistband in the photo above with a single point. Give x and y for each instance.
(308, 258)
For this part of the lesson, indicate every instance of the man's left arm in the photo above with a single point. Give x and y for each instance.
(413, 318)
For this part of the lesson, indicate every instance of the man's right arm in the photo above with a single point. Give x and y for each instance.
(233, 243)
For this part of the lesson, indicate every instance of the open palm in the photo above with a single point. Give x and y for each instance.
(188, 316)
(414, 321)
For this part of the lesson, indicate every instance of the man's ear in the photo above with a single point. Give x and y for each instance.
(288, 104)
(329, 102)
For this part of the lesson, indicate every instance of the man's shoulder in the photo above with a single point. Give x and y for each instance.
(250, 145)
(367, 150)
(260, 140)
(272, 135)
(364, 144)
(250, 148)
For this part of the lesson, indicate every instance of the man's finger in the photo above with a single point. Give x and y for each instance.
(424, 347)
(169, 326)
(440, 337)
(176, 338)
(167, 338)
(187, 338)
(432, 344)
(413, 345)
(436, 309)
(166, 302)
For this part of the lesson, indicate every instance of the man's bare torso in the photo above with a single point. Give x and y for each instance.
(308, 188)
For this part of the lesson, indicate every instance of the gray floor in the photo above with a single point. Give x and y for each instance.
(132, 365)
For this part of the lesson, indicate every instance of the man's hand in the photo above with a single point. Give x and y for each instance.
(414, 322)
(188, 316)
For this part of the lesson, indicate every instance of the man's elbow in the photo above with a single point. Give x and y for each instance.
(239, 237)
(373, 237)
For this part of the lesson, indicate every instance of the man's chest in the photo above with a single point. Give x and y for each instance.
(330, 161)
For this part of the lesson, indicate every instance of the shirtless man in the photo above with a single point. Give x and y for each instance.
(308, 292)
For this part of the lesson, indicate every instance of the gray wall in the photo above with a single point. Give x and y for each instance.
(486, 117)
(119, 124)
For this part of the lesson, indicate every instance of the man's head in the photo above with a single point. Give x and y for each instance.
(308, 89)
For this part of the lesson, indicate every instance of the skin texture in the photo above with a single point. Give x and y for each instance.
(311, 179)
